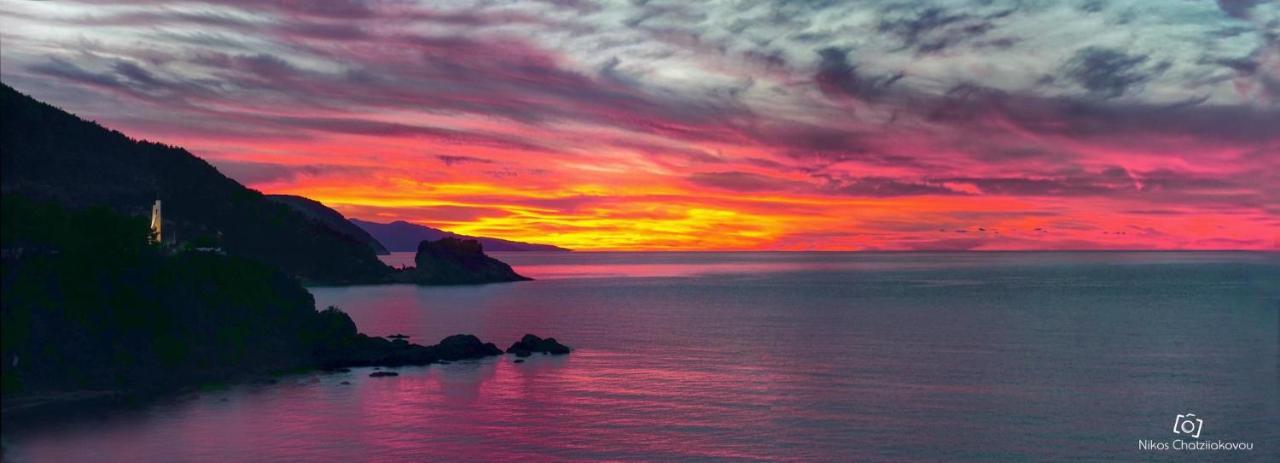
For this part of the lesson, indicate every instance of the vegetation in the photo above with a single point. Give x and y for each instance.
(51, 155)
(89, 304)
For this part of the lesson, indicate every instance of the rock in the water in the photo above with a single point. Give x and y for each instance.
(380, 374)
(529, 344)
(518, 361)
(464, 347)
(453, 261)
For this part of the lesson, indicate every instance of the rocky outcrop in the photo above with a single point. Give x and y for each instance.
(341, 346)
(530, 344)
(453, 261)
(465, 346)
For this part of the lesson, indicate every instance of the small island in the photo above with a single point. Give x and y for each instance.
(455, 261)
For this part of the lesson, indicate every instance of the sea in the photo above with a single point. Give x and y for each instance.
(770, 356)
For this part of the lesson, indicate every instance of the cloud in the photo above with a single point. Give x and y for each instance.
(251, 172)
(451, 160)
(1108, 73)
(741, 181)
(574, 117)
(836, 76)
(887, 187)
(932, 29)
(1237, 8)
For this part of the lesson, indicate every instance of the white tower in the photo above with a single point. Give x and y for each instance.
(156, 223)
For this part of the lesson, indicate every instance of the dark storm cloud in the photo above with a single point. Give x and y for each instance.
(1184, 187)
(821, 145)
(250, 172)
(874, 187)
(528, 84)
(451, 160)
(837, 76)
(343, 58)
(353, 126)
(886, 187)
(741, 181)
(1238, 8)
(137, 74)
(933, 29)
(521, 83)
(62, 69)
(977, 106)
(665, 151)
(126, 78)
(1108, 73)
(517, 81)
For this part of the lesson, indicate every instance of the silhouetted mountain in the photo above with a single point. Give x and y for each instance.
(333, 219)
(49, 154)
(401, 236)
(107, 310)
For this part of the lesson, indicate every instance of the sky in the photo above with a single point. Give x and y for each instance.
(724, 125)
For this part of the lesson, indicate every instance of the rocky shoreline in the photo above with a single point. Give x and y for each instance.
(359, 350)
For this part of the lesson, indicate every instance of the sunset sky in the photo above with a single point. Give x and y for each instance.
(894, 125)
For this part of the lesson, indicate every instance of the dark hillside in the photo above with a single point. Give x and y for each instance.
(401, 236)
(110, 311)
(49, 154)
(333, 219)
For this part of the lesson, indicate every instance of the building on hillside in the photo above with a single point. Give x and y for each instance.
(157, 224)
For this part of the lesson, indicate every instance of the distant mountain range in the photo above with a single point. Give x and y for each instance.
(401, 236)
(333, 219)
(47, 154)
(398, 236)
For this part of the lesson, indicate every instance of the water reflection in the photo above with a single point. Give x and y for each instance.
(771, 357)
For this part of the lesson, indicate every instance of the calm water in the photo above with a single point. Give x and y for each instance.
(769, 356)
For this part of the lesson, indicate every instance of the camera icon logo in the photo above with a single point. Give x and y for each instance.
(1188, 424)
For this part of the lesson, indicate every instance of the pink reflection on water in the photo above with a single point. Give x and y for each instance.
(545, 409)
(1030, 362)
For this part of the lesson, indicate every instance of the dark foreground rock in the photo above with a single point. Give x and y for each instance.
(530, 344)
(465, 346)
(362, 350)
(341, 346)
(453, 261)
